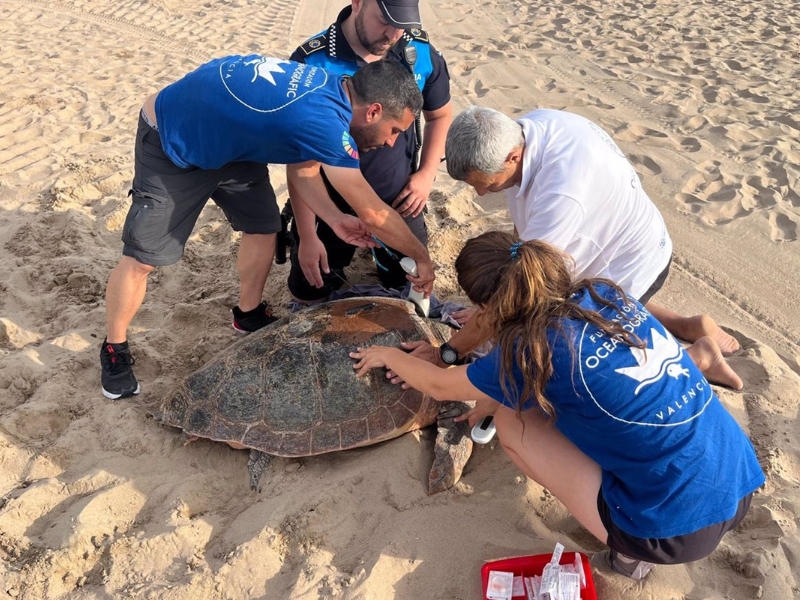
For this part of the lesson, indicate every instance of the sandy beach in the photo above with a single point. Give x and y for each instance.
(99, 501)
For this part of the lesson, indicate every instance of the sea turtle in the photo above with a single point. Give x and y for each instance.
(290, 390)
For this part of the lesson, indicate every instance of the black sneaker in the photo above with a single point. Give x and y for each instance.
(116, 373)
(252, 320)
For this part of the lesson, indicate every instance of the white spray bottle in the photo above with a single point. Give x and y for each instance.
(409, 265)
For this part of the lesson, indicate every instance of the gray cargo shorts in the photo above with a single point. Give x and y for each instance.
(167, 200)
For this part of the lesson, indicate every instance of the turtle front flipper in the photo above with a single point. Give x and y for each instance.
(452, 448)
(258, 463)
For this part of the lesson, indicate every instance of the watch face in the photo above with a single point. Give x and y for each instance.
(449, 356)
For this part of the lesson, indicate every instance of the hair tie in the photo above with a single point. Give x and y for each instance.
(514, 249)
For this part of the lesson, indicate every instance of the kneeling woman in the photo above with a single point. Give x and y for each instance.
(597, 403)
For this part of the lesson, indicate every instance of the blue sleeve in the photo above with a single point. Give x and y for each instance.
(484, 374)
(436, 92)
(333, 146)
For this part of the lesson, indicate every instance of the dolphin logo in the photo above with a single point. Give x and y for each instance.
(663, 356)
(265, 67)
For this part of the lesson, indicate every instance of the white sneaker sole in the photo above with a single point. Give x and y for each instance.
(111, 396)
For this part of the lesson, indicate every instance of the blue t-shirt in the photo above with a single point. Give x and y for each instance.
(673, 459)
(253, 108)
(387, 168)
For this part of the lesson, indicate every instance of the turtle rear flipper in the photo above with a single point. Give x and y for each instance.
(452, 448)
(256, 465)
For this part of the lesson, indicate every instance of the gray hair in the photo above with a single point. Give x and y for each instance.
(480, 139)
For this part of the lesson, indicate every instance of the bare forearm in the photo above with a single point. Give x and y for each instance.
(388, 226)
(439, 383)
(379, 218)
(420, 374)
(306, 186)
(304, 217)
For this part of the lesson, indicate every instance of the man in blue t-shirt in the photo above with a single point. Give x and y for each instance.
(211, 135)
(401, 174)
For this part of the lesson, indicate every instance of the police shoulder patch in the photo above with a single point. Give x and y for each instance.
(418, 34)
(315, 44)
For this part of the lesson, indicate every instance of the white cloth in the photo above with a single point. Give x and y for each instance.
(580, 193)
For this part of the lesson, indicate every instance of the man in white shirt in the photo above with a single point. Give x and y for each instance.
(569, 184)
(577, 191)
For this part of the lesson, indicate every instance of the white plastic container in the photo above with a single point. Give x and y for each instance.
(409, 265)
(484, 430)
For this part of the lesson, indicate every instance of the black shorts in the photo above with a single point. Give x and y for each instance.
(657, 284)
(674, 550)
(340, 254)
(167, 200)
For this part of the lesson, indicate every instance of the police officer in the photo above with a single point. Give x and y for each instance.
(400, 174)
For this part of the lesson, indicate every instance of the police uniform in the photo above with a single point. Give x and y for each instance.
(386, 169)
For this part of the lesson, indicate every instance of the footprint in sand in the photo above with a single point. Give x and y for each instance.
(690, 144)
(465, 67)
(715, 197)
(647, 132)
(689, 203)
(710, 94)
(734, 65)
(721, 191)
(693, 124)
(646, 163)
(636, 133)
(748, 95)
(782, 228)
(757, 194)
(726, 213)
(498, 55)
(480, 89)
(597, 102)
(788, 121)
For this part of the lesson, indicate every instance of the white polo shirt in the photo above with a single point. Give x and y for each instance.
(580, 193)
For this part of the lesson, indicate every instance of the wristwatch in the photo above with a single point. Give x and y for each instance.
(448, 354)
